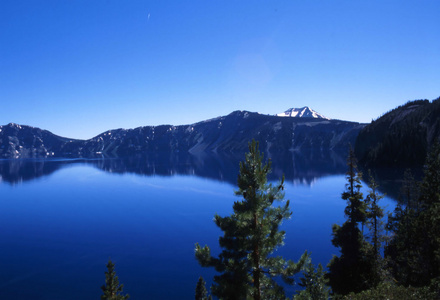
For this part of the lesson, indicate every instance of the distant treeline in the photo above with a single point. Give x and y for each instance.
(401, 137)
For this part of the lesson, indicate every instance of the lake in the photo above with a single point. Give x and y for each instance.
(61, 220)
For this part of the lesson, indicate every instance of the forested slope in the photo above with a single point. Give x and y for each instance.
(401, 137)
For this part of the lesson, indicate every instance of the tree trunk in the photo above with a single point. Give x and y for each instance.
(256, 272)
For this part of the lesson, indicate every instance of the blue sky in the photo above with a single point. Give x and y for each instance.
(80, 67)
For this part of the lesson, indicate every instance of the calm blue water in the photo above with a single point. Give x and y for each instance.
(60, 222)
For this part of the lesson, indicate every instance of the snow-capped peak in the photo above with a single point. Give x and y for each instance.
(303, 112)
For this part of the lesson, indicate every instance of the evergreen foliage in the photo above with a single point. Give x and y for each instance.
(201, 292)
(352, 270)
(413, 251)
(404, 251)
(391, 291)
(430, 214)
(112, 289)
(401, 137)
(355, 211)
(375, 225)
(430, 187)
(315, 284)
(250, 237)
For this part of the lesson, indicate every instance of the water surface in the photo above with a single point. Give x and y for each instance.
(61, 220)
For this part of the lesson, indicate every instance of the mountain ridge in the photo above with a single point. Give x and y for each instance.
(229, 133)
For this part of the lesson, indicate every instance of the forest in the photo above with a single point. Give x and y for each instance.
(400, 138)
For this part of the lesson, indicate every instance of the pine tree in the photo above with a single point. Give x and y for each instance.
(250, 236)
(201, 292)
(315, 284)
(410, 192)
(350, 272)
(375, 225)
(403, 252)
(429, 217)
(356, 207)
(430, 187)
(112, 289)
(413, 252)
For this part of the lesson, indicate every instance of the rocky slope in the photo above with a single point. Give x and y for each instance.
(17, 141)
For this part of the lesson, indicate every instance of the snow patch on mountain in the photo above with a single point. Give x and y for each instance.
(303, 112)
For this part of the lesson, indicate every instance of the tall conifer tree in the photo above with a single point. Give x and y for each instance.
(250, 237)
(413, 252)
(430, 216)
(314, 284)
(430, 187)
(375, 225)
(201, 292)
(112, 289)
(350, 272)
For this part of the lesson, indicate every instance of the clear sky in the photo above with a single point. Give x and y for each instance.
(81, 67)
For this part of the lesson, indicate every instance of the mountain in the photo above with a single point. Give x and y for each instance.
(401, 137)
(303, 112)
(227, 134)
(17, 141)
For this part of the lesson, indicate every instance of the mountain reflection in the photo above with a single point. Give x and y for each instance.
(18, 170)
(297, 167)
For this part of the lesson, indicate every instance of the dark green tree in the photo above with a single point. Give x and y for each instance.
(390, 290)
(404, 252)
(375, 225)
(355, 211)
(429, 217)
(250, 237)
(410, 192)
(413, 252)
(314, 283)
(430, 186)
(351, 271)
(112, 289)
(201, 292)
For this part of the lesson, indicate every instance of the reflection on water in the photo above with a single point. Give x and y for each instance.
(303, 168)
(297, 167)
(63, 229)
